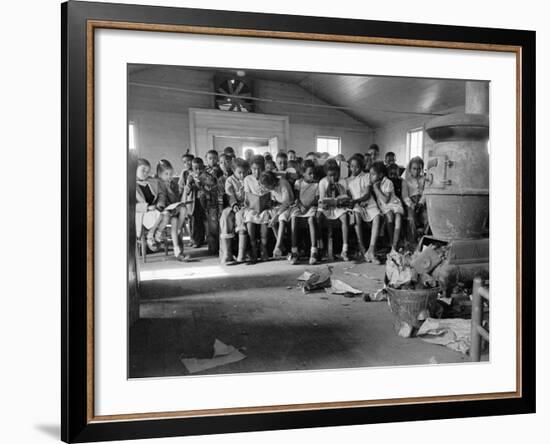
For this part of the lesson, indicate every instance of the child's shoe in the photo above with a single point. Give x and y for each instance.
(344, 255)
(277, 253)
(292, 258)
(313, 259)
(183, 257)
(370, 257)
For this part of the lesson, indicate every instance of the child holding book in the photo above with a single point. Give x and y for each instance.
(306, 190)
(173, 210)
(282, 197)
(365, 208)
(389, 204)
(333, 200)
(232, 218)
(256, 211)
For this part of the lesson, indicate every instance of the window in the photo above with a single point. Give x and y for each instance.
(415, 143)
(329, 145)
(132, 136)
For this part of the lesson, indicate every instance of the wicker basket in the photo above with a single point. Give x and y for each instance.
(412, 306)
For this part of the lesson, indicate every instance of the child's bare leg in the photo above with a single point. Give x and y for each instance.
(359, 232)
(263, 236)
(163, 222)
(277, 253)
(320, 225)
(312, 223)
(154, 228)
(411, 226)
(174, 222)
(294, 233)
(313, 238)
(182, 215)
(253, 242)
(397, 231)
(293, 258)
(242, 246)
(390, 225)
(375, 226)
(345, 236)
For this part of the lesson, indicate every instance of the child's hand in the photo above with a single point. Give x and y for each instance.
(151, 208)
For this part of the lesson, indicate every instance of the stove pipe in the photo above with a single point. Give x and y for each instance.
(457, 178)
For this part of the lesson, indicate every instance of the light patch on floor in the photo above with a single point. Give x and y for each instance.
(181, 273)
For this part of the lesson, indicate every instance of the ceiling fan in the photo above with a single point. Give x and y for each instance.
(234, 94)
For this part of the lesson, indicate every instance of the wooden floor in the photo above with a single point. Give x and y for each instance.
(259, 310)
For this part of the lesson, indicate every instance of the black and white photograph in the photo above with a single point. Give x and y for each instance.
(284, 221)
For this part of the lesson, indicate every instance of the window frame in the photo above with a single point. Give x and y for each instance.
(408, 142)
(338, 138)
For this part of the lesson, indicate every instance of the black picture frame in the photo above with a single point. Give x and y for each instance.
(76, 423)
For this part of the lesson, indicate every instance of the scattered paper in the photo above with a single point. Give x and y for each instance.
(452, 333)
(223, 354)
(316, 280)
(339, 287)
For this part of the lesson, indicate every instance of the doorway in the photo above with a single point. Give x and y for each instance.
(241, 144)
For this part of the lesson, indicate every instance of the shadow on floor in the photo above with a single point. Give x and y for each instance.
(51, 430)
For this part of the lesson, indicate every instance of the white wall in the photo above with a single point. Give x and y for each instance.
(162, 117)
(394, 136)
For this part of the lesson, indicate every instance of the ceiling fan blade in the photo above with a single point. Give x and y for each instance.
(240, 86)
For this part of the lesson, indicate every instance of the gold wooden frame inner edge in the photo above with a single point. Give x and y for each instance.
(96, 24)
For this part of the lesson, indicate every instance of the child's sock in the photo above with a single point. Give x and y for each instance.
(314, 250)
(294, 249)
(345, 247)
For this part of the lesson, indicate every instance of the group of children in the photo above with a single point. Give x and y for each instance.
(229, 198)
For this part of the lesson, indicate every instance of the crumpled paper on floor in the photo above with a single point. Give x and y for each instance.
(223, 354)
(339, 287)
(315, 280)
(452, 333)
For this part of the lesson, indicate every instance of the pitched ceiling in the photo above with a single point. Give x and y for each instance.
(376, 101)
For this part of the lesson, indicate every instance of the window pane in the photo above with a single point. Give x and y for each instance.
(132, 136)
(415, 143)
(329, 145)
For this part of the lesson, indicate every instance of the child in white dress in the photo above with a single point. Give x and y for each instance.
(388, 202)
(232, 218)
(306, 190)
(282, 198)
(333, 199)
(365, 208)
(412, 194)
(252, 217)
